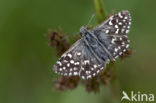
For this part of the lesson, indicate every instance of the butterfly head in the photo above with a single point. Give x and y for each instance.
(83, 30)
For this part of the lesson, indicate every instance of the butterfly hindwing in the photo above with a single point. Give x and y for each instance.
(69, 63)
(91, 65)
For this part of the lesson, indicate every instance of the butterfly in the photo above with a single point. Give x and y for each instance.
(97, 47)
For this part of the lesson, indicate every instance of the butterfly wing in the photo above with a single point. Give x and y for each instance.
(69, 63)
(79, 61)
(112, 33)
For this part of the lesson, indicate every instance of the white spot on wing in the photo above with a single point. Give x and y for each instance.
(64, 68)
(116, 26)
(127, 31)
(110, 22)
(75, 68)
(75, 73)
(95, 66)
(120, 53)
(114, 53)
(70, 74)
(120, 38)
(117, 31)
(116, 49)
(126, 17)
(82, 77)
(79, 53)
(120, 23)
(86, 61)
(119, 47)
(68, 65)
(94, 74)
(113, 41)
(70, 55)
(123, 43)
(127, 45)
(59, 63)
(107, 31)
(87, 72)
(101, 68)
(124, 50)
(77, 63)
(123, 30)
(116, 57)
(92, 69)
(120, 15)
(72, 61)
(60, 69)
(82, 68)
(89, 76)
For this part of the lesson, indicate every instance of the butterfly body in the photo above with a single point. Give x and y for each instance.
(89, 55)
(96, 46)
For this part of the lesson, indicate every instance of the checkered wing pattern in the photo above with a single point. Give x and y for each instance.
(112, 33)
(79, 61)
(89, 55)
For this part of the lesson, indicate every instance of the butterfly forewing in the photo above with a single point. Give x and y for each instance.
(117, 24)
(112, 33)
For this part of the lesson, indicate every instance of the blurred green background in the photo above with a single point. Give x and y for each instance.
(26, 60)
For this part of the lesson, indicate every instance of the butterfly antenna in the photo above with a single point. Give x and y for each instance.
(93, 15)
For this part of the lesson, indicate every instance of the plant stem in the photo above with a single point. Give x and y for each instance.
(99, 10)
